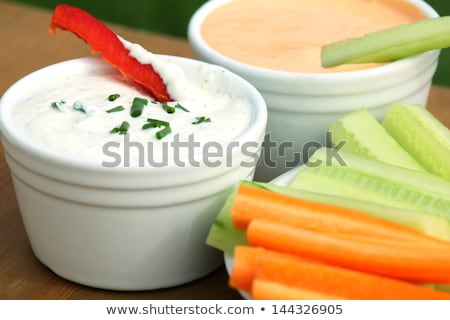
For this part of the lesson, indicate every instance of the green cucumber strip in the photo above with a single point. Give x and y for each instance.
(389, 44)
(424, 182)
(342, 181)
(422, 135)
(372, 180)
(359, 132)
(222, 235)
(421, 221)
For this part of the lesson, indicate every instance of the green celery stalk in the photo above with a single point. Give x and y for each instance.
(390, 44)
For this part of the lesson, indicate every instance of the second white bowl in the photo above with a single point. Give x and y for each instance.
(303, 105)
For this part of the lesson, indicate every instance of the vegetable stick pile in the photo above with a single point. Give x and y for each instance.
(299, 249)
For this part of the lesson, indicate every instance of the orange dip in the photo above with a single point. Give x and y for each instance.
(288, 34)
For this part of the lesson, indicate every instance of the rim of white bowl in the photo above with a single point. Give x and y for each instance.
(7, 131)
(253, 73)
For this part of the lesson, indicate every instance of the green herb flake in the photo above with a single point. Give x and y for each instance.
(162, 133)
(78, 106)
(113, 97)
(116, 109)
(122, 129)
(167, 108)
(138, 106)
(201, 119)
(155, 123)
(58, 105)
(141, 100)
(179, 106)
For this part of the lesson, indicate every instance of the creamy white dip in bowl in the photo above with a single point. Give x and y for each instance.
(302, 105)
(119, 211)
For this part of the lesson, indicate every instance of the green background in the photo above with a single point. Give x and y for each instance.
(172, 17)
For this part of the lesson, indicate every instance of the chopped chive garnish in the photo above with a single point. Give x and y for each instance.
(78, 105)
(58, 105)
(201, 120)
(113, 97)
(171, 109)
(116, 109)
(179, 106)
(141, 100)
(163, 132)
(138, 106)
(155, 123)
(122, 129)
(167, 108)
(148, 126)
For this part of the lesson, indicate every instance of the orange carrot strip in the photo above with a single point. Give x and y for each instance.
(245, 258)
(252, 203)
(345, 283)
(269, 290)
(312, 276)
(417, 262)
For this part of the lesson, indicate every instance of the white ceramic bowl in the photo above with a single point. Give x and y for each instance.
(302, 105)
(120, 228)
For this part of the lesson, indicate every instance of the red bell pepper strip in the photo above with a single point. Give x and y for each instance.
(104, 41)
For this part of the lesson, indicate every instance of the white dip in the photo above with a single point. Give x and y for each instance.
(205, 91)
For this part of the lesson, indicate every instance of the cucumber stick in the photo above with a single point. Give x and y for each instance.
(372, 180)
(422, 135)
(222, 235)
(432, 225)
(361, 133)
(390, 44)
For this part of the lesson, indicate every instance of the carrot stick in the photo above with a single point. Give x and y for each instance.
(310, 276)
(252, 203)
(417, 262)
(335, 281)
(242, 273)
(270, 290)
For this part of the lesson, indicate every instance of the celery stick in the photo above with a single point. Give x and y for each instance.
(389, 44)
(372, 180)
(422, 135)
(361, 133)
